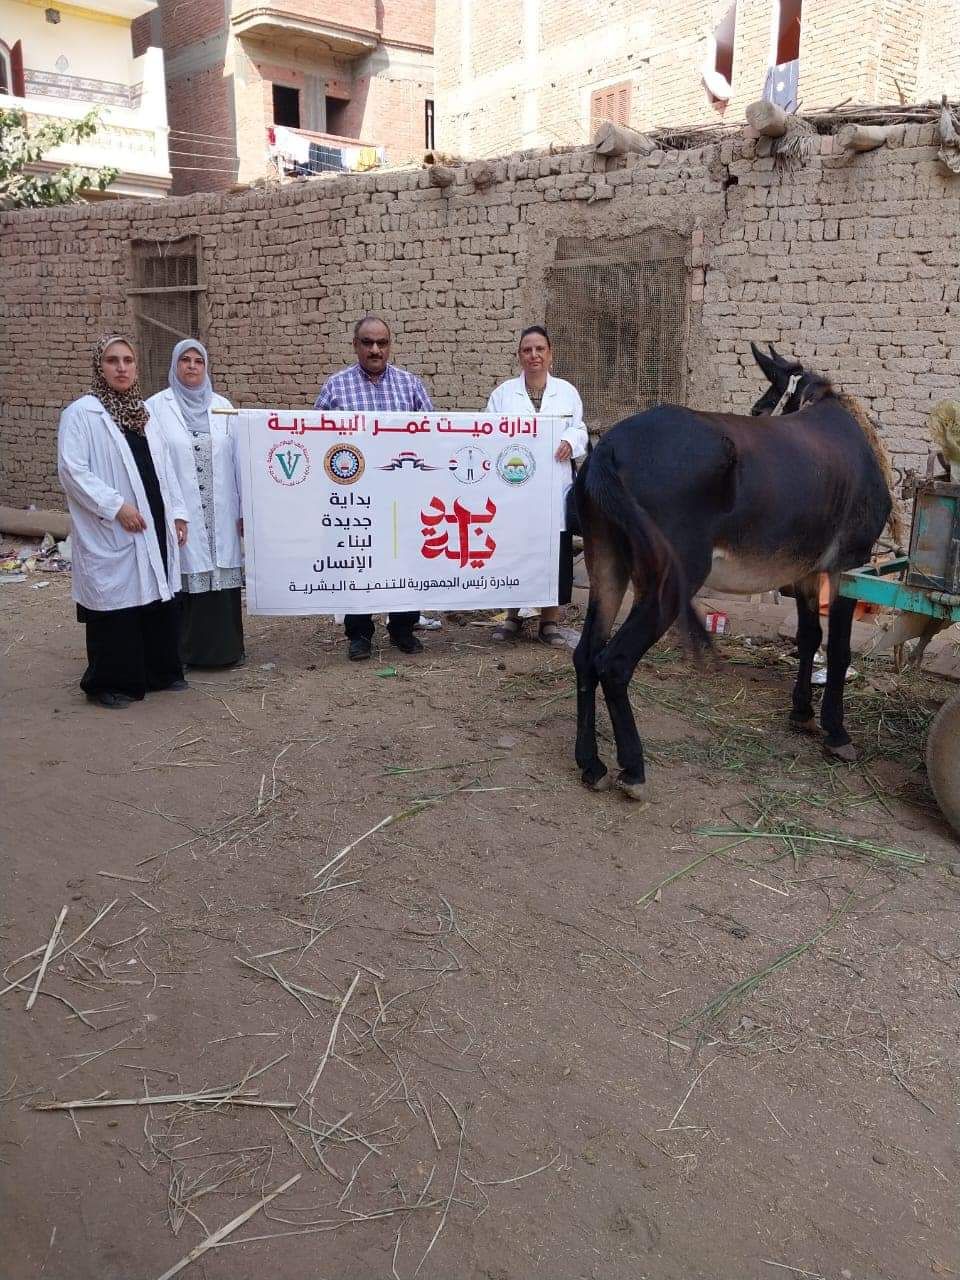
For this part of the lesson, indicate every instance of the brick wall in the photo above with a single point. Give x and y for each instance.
(939, 62)
(182, 24)
(141, 33)
(852, 264)
(393, 111)
(408, 21)
(840, 42)
(901, 33)
(203, 152)
(520, 72)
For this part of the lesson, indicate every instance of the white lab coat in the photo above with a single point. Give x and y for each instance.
(114, 569)
(165, 411)
(559, 399)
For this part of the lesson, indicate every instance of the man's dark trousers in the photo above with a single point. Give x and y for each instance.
(359, 626)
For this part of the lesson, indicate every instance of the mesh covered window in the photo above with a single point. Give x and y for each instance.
(617, 315)
(166, 297)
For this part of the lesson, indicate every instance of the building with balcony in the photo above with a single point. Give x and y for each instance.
(61, 62)
(294, 87)
(513, 74)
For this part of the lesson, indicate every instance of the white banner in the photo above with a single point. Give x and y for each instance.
(380, 512)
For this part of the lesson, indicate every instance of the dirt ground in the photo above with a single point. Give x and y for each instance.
(520, 1031)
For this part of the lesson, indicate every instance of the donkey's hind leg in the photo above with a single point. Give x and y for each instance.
(608, 581)
(644, 626)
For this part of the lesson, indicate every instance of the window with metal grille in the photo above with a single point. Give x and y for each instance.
(617, 314)
(611, 103)
(166, 298)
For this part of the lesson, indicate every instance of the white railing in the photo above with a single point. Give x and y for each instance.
(131, 139)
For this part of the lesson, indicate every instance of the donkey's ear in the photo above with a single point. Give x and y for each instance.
(768, 365)
(783, 364)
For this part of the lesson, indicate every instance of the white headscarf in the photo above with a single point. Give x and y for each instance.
(194, 402)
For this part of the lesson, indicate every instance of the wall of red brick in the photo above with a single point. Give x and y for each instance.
(901, 34)
(183, 24)
(939, 63)
(394, 115)
(852, 264)
(408, 22)
(141, 33)
(203, 152)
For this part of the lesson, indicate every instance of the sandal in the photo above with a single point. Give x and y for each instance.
(550, 635)
(508, 629)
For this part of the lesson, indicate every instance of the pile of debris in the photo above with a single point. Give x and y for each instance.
(17, 563)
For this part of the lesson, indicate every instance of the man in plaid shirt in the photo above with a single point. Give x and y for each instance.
(370, 384)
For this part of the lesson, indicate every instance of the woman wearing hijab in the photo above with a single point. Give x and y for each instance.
(203, 448)
(129, 523)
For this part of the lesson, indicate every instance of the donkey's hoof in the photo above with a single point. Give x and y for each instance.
(807, 725)
(843, 751)
(633, 790)
(601, 783)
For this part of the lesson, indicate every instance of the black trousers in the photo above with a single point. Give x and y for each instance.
(565, 582)
(132, 651)
(211, 628)
(359, 626)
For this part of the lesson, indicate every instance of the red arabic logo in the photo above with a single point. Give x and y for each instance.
(455, 543)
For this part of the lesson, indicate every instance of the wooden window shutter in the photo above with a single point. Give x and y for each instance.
(610, 103)
(623, 105)
(18, 87)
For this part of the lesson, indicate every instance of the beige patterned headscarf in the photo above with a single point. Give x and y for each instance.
(126, 408)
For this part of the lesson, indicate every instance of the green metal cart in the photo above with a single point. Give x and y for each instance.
(926, 583)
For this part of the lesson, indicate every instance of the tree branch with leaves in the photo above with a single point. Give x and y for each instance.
(22, 146)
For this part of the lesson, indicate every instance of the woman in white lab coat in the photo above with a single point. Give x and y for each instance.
(203, 448)
(128, 525)
(537, 391)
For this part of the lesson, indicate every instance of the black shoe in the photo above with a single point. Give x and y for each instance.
(358, 650)
(176, 686)
(113, 701)
(407, 643)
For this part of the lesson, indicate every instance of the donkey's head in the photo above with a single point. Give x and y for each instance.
(791, 386)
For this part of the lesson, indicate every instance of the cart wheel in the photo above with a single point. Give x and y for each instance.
(943, 760)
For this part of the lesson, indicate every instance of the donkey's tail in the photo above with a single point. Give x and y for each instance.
(656, 569)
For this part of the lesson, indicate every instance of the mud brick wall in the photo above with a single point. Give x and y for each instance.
(852, 264)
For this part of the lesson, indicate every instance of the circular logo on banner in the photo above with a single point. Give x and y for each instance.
(470, 464)
(343, 463)
(288, 462)
(516, 464)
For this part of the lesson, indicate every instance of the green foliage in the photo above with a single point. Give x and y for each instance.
(22, 146)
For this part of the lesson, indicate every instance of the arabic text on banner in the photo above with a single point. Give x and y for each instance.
(380, 512)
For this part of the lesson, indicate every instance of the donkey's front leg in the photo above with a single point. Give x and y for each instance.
(838, 661)
(809, 635)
